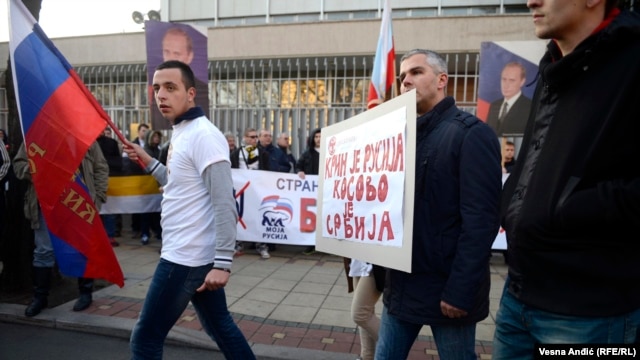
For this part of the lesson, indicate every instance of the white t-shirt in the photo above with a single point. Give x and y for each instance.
(188, 232)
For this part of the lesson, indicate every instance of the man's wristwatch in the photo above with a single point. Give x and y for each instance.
(219, 268)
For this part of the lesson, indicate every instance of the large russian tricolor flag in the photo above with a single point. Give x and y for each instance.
(384, 64)
(60, 119)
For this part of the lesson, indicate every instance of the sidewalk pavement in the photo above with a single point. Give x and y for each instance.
(291, 306)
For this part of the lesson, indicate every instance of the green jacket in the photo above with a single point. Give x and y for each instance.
(96, 177)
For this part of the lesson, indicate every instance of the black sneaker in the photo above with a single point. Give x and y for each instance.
(309, 251)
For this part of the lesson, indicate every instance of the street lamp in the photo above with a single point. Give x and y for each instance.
(138, 17)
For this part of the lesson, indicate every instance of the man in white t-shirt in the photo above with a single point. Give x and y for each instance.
(198, 223)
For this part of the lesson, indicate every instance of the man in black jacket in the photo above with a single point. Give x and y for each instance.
(571, 207)
(309, 163)
(112, 154)
(5, 164)
(284, 145)
(455, 221)
(141, 139)
(278, 160)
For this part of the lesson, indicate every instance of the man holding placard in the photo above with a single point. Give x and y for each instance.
(457, 189)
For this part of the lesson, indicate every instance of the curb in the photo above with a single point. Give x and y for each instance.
(65, 319)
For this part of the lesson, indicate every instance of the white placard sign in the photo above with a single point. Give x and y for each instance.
(365, 198)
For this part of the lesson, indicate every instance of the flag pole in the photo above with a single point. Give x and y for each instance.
(383, 79)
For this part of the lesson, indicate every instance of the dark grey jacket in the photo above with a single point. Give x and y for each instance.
(457, 195)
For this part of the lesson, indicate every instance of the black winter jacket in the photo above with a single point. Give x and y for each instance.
(263, 159)
(457, 195)
(278, 160)
(111, 152)
(309, 161)
(571, 207)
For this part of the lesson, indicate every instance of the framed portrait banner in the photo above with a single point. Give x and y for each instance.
(508, 76)
(366, 185)
(175, 41)
(507, 81)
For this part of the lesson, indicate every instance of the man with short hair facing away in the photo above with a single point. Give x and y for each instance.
(251, 157)
(571, 206)
(198, 223)
(455, 221)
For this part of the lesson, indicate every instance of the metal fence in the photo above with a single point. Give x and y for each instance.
(294, 95)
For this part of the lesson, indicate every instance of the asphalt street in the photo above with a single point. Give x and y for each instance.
(26, 342)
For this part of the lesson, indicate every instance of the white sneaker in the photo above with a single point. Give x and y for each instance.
(264, 252)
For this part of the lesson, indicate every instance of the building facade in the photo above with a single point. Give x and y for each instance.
(291, 65)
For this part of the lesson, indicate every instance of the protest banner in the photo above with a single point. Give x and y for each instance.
(365, 201)
(275, 207)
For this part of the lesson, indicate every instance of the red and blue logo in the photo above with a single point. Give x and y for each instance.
(276, 211)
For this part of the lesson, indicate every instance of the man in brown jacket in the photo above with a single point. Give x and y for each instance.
(96, 177)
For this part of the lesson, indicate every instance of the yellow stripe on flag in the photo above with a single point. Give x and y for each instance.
(132, 185)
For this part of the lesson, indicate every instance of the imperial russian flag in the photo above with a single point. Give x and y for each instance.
(384, 64)
(60, 119)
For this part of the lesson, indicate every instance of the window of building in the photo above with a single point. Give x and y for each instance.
(370, 14)
(484, 10)
(336, 16)
(423, 12)
(255, 20)
(283, 19)
(516, 9)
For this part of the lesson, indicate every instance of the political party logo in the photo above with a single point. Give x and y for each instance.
(276, 213)
(332, 145)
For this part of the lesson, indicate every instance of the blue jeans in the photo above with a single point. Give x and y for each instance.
(150, 221)
(519, 327)
(396, 337)
(109, 223)
(43, 254)
(170, 291)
